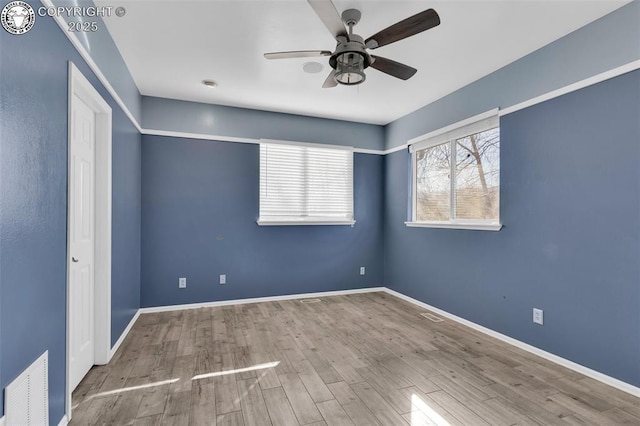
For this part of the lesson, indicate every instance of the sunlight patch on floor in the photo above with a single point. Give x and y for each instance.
(127, 389)
(237, 370)
(422, 414)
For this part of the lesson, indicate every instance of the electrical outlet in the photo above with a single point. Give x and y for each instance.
(538, 316)
(362, 270)
(182, 283)
(223, 279)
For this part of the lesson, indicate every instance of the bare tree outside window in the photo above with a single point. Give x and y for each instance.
(476, 179)
(433, 183)
(478, 176)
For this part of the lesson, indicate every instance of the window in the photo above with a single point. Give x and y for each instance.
(305, 185)
(456, 176)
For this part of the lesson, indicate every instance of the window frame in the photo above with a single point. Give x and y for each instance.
(313, 220)
(449, 135)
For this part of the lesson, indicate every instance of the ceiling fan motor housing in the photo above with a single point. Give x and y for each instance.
(354, 45)
(349, 61)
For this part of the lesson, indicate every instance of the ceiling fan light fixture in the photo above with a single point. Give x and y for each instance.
(350, 68)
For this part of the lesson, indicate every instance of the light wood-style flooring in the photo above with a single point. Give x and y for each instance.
(363, 359)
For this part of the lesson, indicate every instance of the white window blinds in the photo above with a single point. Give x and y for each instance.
(305, 185)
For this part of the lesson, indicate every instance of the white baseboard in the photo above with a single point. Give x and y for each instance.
(64, 421)
(2, 421)
(124, 334)
(607, 380)
(258, 300)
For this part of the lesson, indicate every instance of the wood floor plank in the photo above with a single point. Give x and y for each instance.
(254, 410)
(325, 370)
(203, 392)
(333, 413)
(202, 415)
(125, 409)
(313, 382)
(367, 357)
(431, 410)
(90, 412)
(230, 419)
(380, 408)
(268, 377)
(280, 411)
(148, 421)
(178, 403)
(352, 404)
(620, 417)
(418, 418)
(459, 389)
(301, 402)
(153, 401)
(459, 410)
(498, 411)
(397, 366)
(226, 394)
(181, 419)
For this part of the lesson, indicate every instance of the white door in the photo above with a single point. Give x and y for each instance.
(81, 239)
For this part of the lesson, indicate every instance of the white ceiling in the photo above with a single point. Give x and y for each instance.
(171, 46)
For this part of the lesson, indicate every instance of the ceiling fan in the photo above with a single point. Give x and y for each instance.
(350, 58)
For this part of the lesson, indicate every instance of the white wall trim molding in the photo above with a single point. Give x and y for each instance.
(607, 380)
(2, 421)
(259, 300)
(201, 136)
(218, 138)
(368, 151)
(64, 421)
(124, 334)
(396, 149)
(73, 38)
(632, 66)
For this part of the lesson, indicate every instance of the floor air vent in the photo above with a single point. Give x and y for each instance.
(431, 317)
(310, 301)
(27, 397)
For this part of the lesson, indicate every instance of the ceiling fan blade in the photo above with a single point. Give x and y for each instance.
(329, 15)
(330, 81)
(393, 68)
(297, 54)
(405, 28)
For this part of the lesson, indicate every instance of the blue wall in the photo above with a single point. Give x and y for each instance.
(219, 120)
(570, 205)
(199, 211)
(605, 44)
(33, 215)
(126, 211)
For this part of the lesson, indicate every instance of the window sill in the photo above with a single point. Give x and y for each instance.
(456, 225)
(304, 222)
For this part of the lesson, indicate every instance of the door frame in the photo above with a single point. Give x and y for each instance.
(81, 87)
